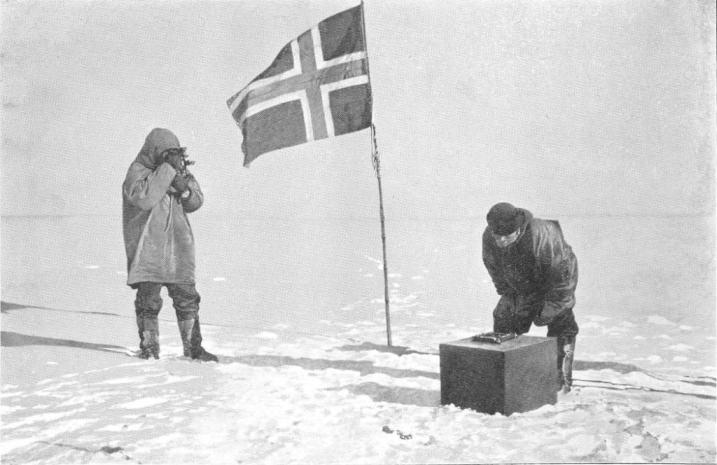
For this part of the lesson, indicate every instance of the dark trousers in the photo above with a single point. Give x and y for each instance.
(516, 314)
(185, 299)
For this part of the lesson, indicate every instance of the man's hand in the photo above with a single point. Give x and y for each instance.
(547, 314)
(175, 159)
(503, 289)
(180, 183)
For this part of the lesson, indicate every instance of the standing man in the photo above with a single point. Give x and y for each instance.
(535, 273)
(157, 194)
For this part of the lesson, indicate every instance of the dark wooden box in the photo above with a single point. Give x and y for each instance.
(515, 376)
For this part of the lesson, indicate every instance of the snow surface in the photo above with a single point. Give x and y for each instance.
(273, 398)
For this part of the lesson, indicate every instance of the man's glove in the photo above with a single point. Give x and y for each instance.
(503, 289)
(180, 183)
(175, 159)
(547, 314)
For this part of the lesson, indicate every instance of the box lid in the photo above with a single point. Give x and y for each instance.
(511, 344)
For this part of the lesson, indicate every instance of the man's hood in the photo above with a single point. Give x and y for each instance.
(158, 140)
(527, 216)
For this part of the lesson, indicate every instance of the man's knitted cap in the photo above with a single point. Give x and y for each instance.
(503, 218)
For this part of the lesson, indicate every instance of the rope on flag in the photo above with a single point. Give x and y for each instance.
(316, 87)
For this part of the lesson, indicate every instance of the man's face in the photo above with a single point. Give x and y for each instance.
(505, 241)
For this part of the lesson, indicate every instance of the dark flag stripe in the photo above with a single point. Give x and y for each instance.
(268, 130)
(282, 63)
(342, 34)
(351, 108)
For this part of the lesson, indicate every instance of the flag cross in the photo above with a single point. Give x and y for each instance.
(310, 81)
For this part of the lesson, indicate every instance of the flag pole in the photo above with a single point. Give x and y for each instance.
(377, 168)
(376, 160)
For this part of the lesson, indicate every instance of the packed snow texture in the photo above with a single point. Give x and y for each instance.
(318, 400)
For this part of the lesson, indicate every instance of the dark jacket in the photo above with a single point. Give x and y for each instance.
(158, 238)
(540, 265)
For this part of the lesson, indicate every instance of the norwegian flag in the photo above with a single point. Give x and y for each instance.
(317, 87)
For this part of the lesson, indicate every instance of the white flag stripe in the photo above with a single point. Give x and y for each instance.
(307, 116)
(349, 57)
(327, 88)
(319, 53)
(361, 79)
(295, 71)
(328, 116)
(288, 97)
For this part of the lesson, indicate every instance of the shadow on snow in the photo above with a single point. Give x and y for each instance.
(12, 339)
(362, 367)
(397, 350)
(6, 307)
(394, 394)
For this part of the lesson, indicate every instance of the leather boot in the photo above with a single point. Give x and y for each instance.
(185, 332)
(192, 341)
(140, 330)
(566, 354)
(149, 346)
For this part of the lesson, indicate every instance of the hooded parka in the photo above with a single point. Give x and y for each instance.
(540, 267)
(158, 237)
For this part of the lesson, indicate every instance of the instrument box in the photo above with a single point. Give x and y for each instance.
(516, 375)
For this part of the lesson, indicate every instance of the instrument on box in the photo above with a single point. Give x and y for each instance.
(495, 338)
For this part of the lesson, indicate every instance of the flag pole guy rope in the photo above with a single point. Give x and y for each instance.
(376, 160)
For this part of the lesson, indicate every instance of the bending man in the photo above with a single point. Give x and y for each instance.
(535, 273)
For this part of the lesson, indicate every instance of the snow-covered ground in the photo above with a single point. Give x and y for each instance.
(304, 374)
(70, 397)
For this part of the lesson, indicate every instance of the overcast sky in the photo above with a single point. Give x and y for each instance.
(567, 108)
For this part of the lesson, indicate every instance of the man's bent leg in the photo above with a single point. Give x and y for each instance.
(185, 299)
(565, 329)
(568, 344)
(186, 305)
(147, 305)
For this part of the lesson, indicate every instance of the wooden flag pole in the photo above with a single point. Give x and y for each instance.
(377, 168)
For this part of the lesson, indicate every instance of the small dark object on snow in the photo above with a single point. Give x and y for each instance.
(386, 429)
(110, 450)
